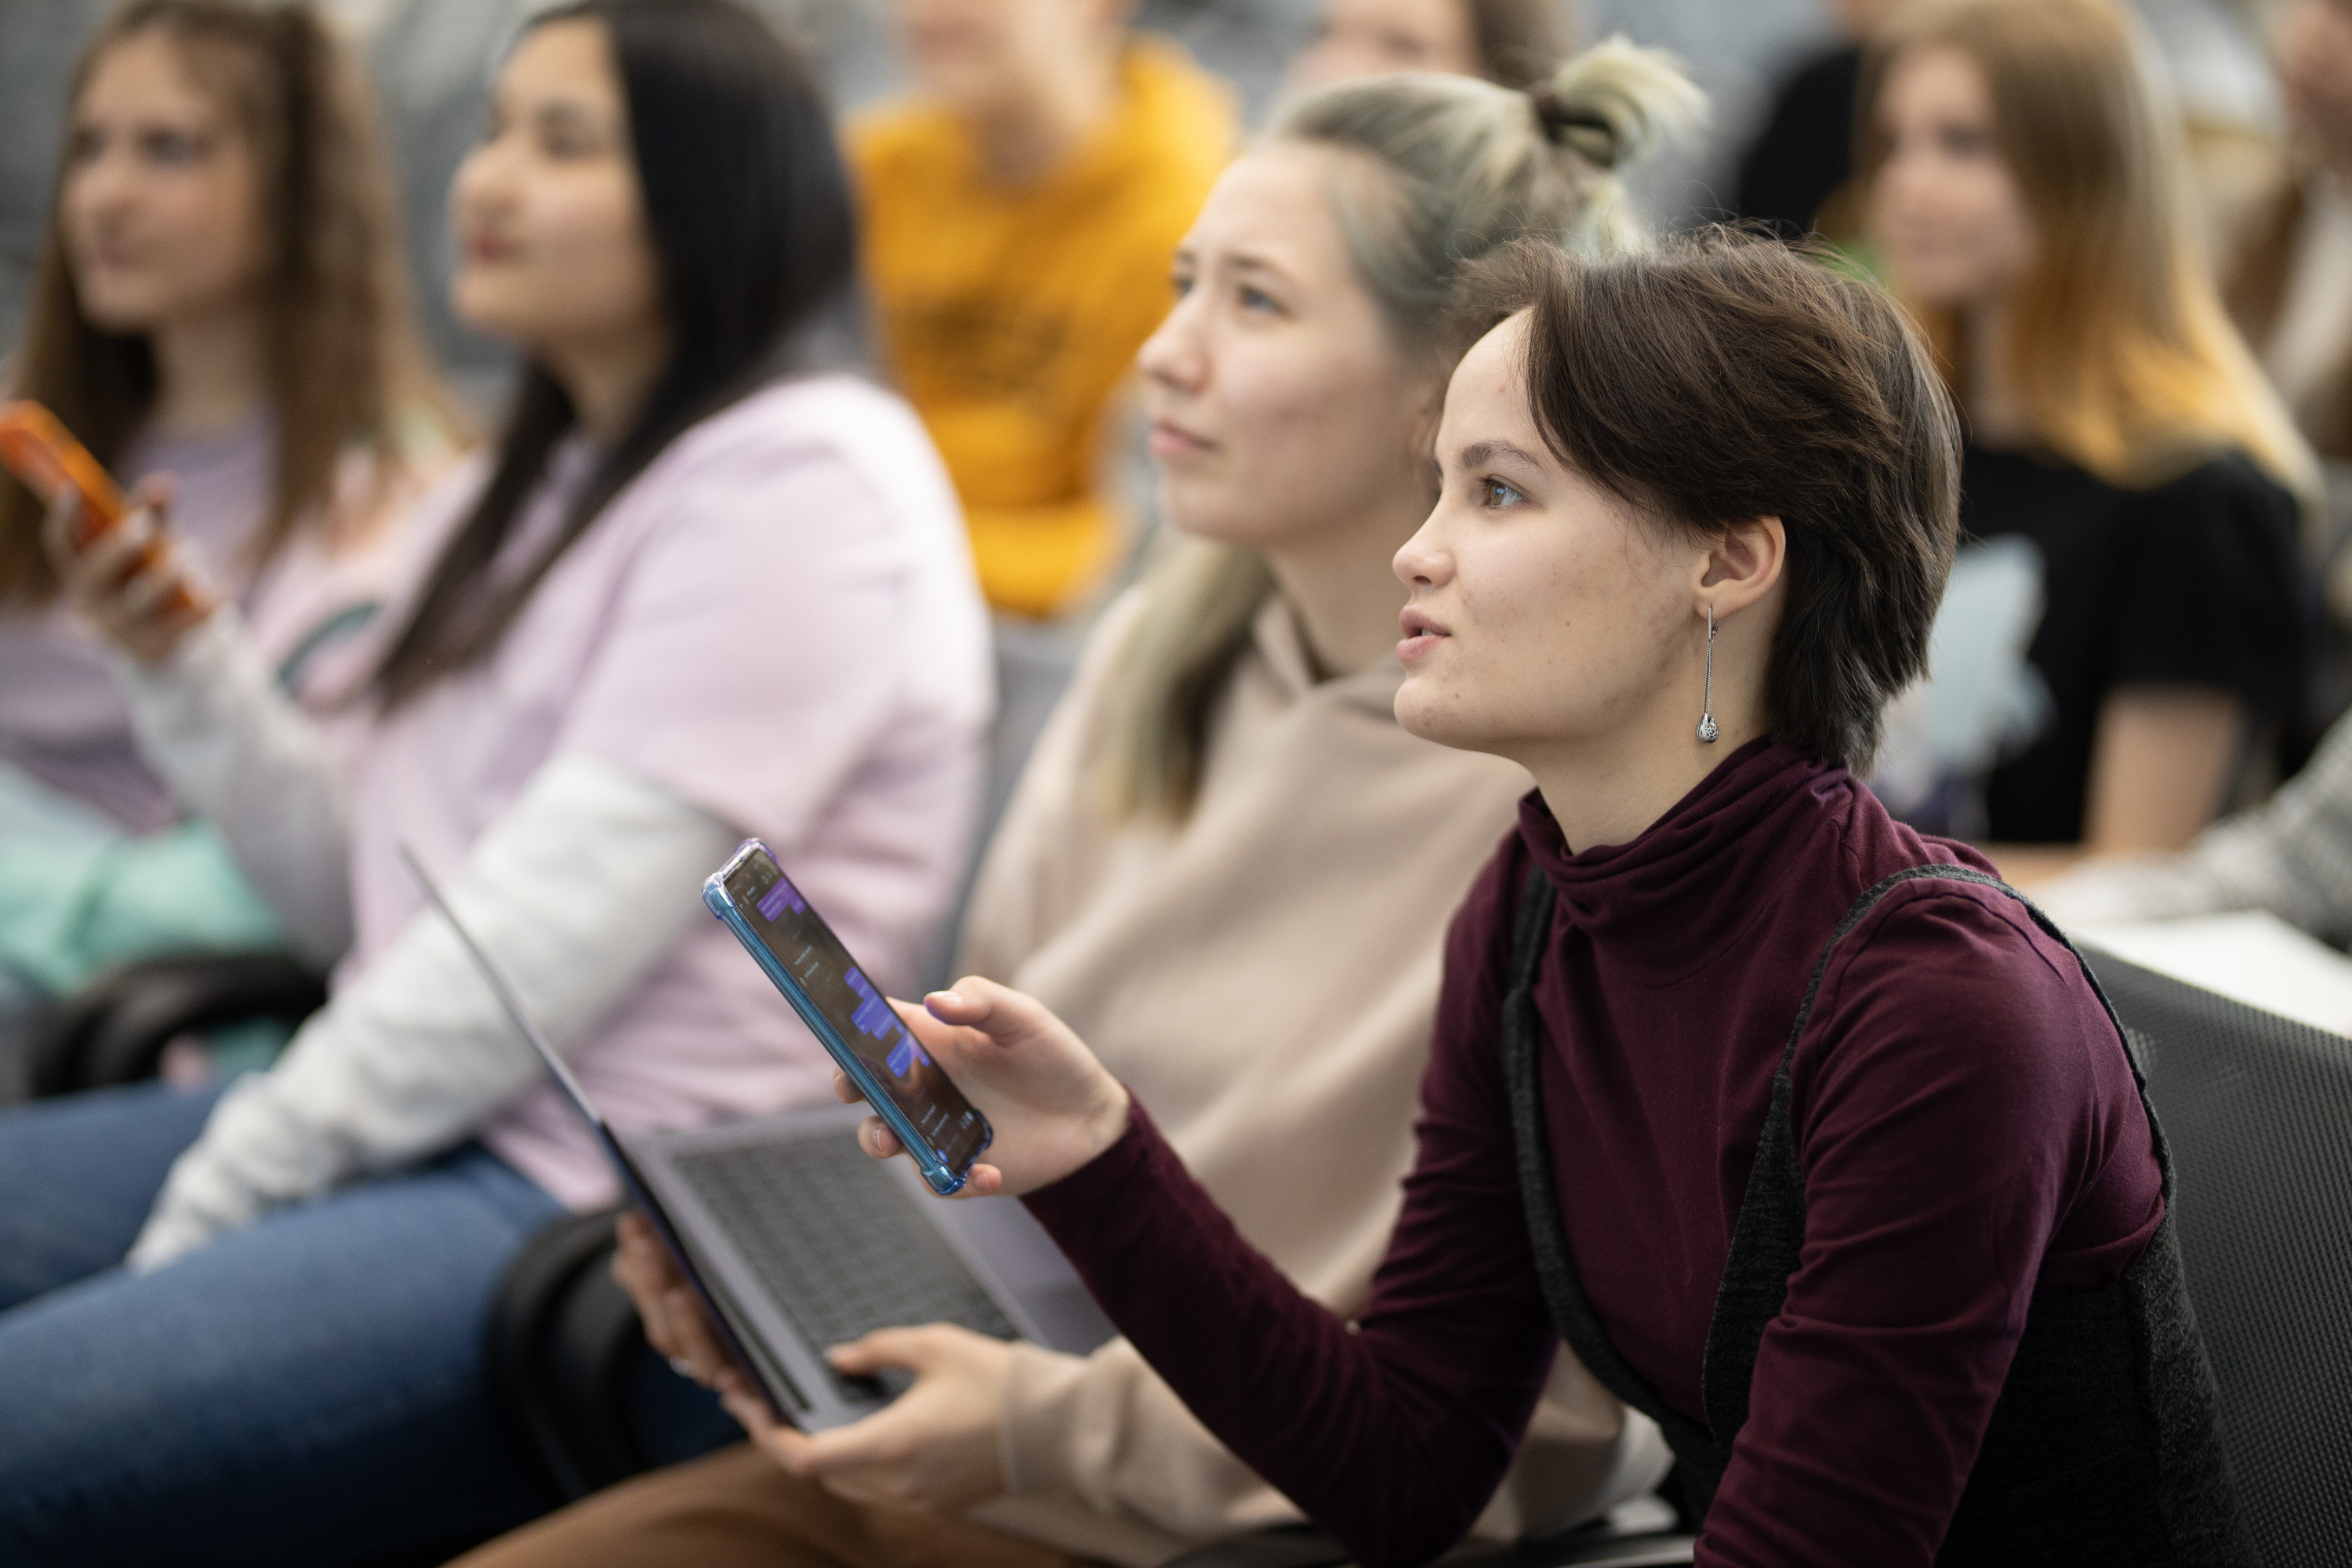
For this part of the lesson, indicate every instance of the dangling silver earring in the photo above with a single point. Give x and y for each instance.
(1707, 732)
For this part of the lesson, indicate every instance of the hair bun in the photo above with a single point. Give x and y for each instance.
(1566, 125)
(1615, 101)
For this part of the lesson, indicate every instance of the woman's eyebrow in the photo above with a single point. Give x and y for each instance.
(1477, 453)
(1252, 261)
(569, 114)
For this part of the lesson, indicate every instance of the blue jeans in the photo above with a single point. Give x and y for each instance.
(306, 1391)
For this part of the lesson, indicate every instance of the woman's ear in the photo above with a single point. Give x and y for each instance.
(1744, 564)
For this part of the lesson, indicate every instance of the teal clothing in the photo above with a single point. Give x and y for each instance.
(79, 894)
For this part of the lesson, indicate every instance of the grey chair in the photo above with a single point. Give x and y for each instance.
(113, 1030)
(2258, 1109)
(1601, 1544)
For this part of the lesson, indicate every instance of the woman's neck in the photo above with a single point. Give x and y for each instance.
(1614, 796)
(1344, 592)
(1997, 414)
(1610, 788)
(210, 374)
(609, 380)
(1026, 135)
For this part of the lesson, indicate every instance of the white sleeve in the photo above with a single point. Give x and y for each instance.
(576, 892)
(2292, 856)
(211, 719)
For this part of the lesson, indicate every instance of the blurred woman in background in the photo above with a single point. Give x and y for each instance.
(700, 591)
(1513, 43)
(1019, 211)
(2024, 181)
(220, 301)
(1227, 857)
(2288, 280)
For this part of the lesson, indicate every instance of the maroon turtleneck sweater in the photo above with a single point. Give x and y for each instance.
(1965, 1119)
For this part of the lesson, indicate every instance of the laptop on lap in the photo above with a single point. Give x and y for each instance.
(797, 1239)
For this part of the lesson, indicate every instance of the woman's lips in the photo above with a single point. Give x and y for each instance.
(1170, 440)
(1421, 635)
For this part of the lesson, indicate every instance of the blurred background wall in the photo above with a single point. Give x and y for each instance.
(432, 58)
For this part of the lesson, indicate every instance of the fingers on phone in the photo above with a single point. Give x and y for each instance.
(878, 1139)
(950, 1007)
(846, 1089)
(105, 563)
(147, 588)
(64, 524)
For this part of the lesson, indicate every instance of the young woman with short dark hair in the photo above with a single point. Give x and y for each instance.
(1806, 1134)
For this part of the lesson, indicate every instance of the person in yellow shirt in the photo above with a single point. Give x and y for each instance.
(1021, 214)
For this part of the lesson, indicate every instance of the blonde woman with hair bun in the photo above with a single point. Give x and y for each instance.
(1225, 863)
(1417, 174)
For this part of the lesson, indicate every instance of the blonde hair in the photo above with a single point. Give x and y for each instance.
(1463, 168)
(2121, 353)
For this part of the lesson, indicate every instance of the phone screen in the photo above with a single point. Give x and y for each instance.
(830, 980)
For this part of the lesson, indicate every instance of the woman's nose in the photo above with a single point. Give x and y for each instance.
(1173, 354)
(1419, 565)
(100, 184)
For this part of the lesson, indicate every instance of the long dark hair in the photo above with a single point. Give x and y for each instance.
(344, 363)
(749, 208)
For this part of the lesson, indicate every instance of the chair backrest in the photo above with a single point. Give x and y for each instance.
(2258, 1110)
(114, 1029)
(1033, 665)
(556, 1353)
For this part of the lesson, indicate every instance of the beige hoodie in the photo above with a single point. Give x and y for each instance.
(1263, 976)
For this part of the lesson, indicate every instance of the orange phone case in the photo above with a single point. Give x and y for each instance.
(44, 454)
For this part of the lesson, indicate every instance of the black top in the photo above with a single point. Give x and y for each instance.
(1805, 151)
(2199, 582)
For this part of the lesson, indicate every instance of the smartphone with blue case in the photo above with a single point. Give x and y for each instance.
(848, 1015)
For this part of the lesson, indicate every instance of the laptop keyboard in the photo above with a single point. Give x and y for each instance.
(838, 1244)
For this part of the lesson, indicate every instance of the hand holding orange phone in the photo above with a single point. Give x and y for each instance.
(44, 454)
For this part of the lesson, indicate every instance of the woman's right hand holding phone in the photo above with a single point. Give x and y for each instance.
(133, 580)
(1053, 1105)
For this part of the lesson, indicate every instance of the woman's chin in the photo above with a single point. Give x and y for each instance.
(489, 307)
(1423, 713)
(1204, 513)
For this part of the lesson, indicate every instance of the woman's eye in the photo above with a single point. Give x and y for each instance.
(1496, 493)
(1180, 285)
(567, 136)
(1259, 300)
(87, 147)
(171, 149)
(1964, 141)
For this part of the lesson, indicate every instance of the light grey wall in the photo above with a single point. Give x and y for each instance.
(433, 60)
(39, 41)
